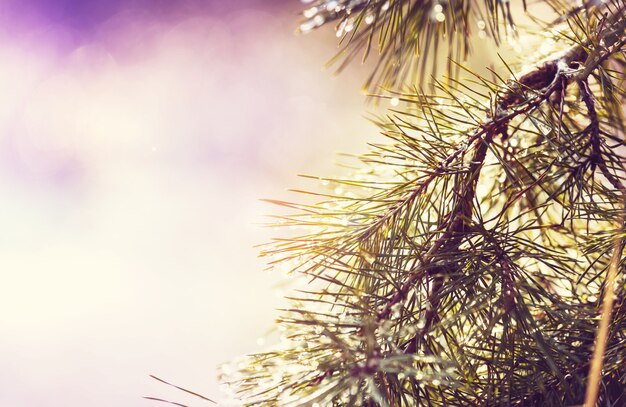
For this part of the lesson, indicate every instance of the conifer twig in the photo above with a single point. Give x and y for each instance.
(466, 265)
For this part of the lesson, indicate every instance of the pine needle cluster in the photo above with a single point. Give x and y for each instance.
(467, 261)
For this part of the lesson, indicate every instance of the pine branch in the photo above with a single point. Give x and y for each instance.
(546, 79)
(465, 265)
(404, 30)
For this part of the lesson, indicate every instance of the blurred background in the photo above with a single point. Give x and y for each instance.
(135, 140)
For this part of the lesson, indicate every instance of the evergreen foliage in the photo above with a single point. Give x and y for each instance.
(466, 263)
